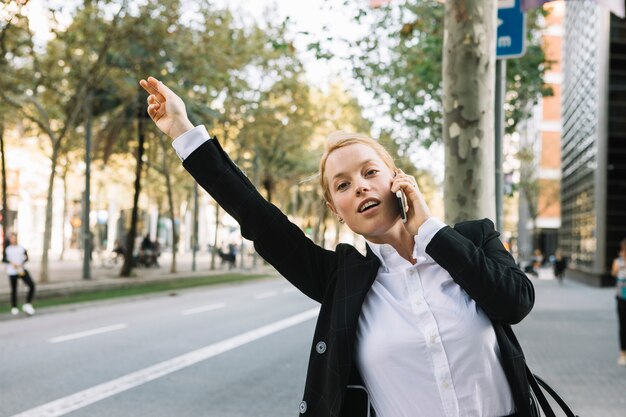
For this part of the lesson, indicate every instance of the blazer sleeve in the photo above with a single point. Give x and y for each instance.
(476, 259)
(280, 242)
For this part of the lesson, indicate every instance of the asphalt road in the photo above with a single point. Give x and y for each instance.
(236, 350)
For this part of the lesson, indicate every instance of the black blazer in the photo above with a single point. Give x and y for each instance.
(340, 280)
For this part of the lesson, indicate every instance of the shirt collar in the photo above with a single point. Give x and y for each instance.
(387, 255)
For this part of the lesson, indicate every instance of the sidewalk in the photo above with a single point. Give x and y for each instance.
(570, 339)
(65, 276)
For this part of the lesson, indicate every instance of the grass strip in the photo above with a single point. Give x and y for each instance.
(133, 289)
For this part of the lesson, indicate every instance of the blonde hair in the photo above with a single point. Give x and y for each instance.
(341, 138)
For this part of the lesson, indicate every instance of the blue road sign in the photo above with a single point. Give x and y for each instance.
(511, 39)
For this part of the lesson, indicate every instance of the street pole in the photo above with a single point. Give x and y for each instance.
(499, 127)
(194, 241)
(86, 233)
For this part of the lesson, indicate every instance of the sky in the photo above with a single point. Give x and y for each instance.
(308, 16)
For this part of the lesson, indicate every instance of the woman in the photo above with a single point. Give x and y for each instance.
(420, 324)
(618, 270)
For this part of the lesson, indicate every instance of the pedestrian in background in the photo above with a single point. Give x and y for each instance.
(15, 257)
(560, 265)
(537, 260)
(421, 323)
(618, 270)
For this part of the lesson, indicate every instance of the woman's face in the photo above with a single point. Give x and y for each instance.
(360, 188)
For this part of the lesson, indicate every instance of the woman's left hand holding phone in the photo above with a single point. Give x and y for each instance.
(165, 108)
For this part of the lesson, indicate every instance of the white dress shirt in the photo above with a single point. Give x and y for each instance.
(189, 141)
(424, 348)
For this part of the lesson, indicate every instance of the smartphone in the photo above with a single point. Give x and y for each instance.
(401, 205)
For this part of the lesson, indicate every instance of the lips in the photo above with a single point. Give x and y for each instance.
(368, 204)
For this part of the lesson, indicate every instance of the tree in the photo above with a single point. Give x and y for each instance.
(468, 109)
(56, 84)
(15, 40)
(399, 61)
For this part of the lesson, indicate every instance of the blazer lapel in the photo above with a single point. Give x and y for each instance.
(355, 277)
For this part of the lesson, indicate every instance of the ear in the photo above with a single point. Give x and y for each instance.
(331, 207)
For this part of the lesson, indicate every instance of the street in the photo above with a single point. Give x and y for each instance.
(54, 356)
(241, 350)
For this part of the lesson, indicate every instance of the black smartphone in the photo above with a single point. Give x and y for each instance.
(401, 205)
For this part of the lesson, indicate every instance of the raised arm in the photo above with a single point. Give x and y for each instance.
(276, 239)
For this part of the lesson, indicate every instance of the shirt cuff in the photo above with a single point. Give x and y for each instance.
(424, 235)
(189, 141)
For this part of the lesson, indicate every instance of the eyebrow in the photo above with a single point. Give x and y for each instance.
(341, 174)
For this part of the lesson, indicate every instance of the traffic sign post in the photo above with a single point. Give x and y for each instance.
(511, 35)
(510, 43)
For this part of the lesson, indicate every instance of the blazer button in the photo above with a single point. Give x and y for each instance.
(302, 407)
(320, 347)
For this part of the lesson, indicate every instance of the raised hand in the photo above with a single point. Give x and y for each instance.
(165, 108)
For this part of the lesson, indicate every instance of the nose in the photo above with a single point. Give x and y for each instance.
(361, 188)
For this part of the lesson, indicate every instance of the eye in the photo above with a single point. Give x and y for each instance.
(371, 171)
(342, 186)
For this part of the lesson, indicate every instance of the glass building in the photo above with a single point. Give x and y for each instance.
(593, 146)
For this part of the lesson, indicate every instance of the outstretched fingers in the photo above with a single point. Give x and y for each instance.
(156, 99)
(155, 88)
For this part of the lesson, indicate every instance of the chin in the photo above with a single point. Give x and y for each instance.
(373, 231)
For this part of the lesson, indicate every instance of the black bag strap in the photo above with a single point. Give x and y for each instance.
(535, 384)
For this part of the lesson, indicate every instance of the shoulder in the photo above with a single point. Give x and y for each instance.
(345, 249)
(476, 229)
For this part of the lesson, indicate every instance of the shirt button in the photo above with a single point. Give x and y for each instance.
(320, 347)
(433, 339)
(445, 384)
(302, 407)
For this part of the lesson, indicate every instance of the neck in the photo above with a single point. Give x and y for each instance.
(400, 239)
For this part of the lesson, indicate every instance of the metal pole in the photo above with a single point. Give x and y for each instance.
(194, 241)
(86, 233)
(499, 127)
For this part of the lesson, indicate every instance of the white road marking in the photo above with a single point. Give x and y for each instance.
(265, 295)
(87, 333)
(94, 394)
(202, 309)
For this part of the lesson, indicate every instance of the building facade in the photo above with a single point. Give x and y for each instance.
(593, 147)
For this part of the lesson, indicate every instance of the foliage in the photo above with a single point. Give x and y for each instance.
(399, 62)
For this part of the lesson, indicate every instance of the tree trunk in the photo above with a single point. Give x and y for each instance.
(170, 201)
(268, 184)
(64, 217)
(337, 233)
(5, 210)
(468, 120)
(217, 225)
(322, 214)
(132, 233)
(47, 234)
